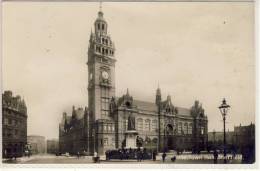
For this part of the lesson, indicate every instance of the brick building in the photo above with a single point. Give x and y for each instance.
(14, 125)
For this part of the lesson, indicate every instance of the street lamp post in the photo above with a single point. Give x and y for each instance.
(224, 109)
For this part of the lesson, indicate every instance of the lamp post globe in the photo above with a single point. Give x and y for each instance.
(224, 107)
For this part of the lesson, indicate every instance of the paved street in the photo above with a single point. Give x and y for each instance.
(52, 159)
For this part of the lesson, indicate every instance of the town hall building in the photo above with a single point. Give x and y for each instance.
(103, 125)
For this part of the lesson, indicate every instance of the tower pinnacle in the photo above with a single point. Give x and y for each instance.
(100, 6)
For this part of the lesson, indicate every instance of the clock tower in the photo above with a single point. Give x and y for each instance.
(101, 83)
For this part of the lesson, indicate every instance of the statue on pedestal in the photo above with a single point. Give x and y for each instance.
(131, 122)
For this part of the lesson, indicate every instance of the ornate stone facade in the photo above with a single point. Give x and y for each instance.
(14, 125)
(160, 125)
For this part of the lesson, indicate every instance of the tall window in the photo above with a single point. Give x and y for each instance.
(125, 124)
(190, 128)
(105, 142)
(100, 128)
(154, 125)
(104, 101)
(109, 127)
(105, 127)
(179, 128)
(202, 130)
(147, 125)
(140, 124)
(186, 128)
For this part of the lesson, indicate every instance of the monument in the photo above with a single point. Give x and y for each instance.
(131, 133)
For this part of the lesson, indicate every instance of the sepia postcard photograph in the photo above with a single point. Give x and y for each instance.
(128, 82)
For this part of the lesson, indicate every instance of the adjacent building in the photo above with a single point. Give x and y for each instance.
(14, 125)
(102, 126)
(216, 137)
(52, 146)
(73, 131)
(36, 144)
(243, 137)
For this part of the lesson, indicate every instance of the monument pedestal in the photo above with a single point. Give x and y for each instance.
(130, 137)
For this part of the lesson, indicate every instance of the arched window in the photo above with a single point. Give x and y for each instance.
(139, 124)
(98, 26)
(147, 125)
(154, 125)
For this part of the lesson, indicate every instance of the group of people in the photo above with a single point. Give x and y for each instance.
(124, 154)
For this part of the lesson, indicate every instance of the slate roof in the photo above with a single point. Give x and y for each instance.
(149, 106)
(183, 111)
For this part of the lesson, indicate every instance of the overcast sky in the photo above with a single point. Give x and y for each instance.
(196, 51)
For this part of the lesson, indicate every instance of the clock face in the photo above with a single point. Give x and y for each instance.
(105, 75)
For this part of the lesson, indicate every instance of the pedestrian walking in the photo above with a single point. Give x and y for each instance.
(154, 155)
(138, 155)
(163, 156)
(215, 156)
(78, 154)
(142, 155)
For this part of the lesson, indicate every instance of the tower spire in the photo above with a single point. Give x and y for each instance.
(100, 5)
